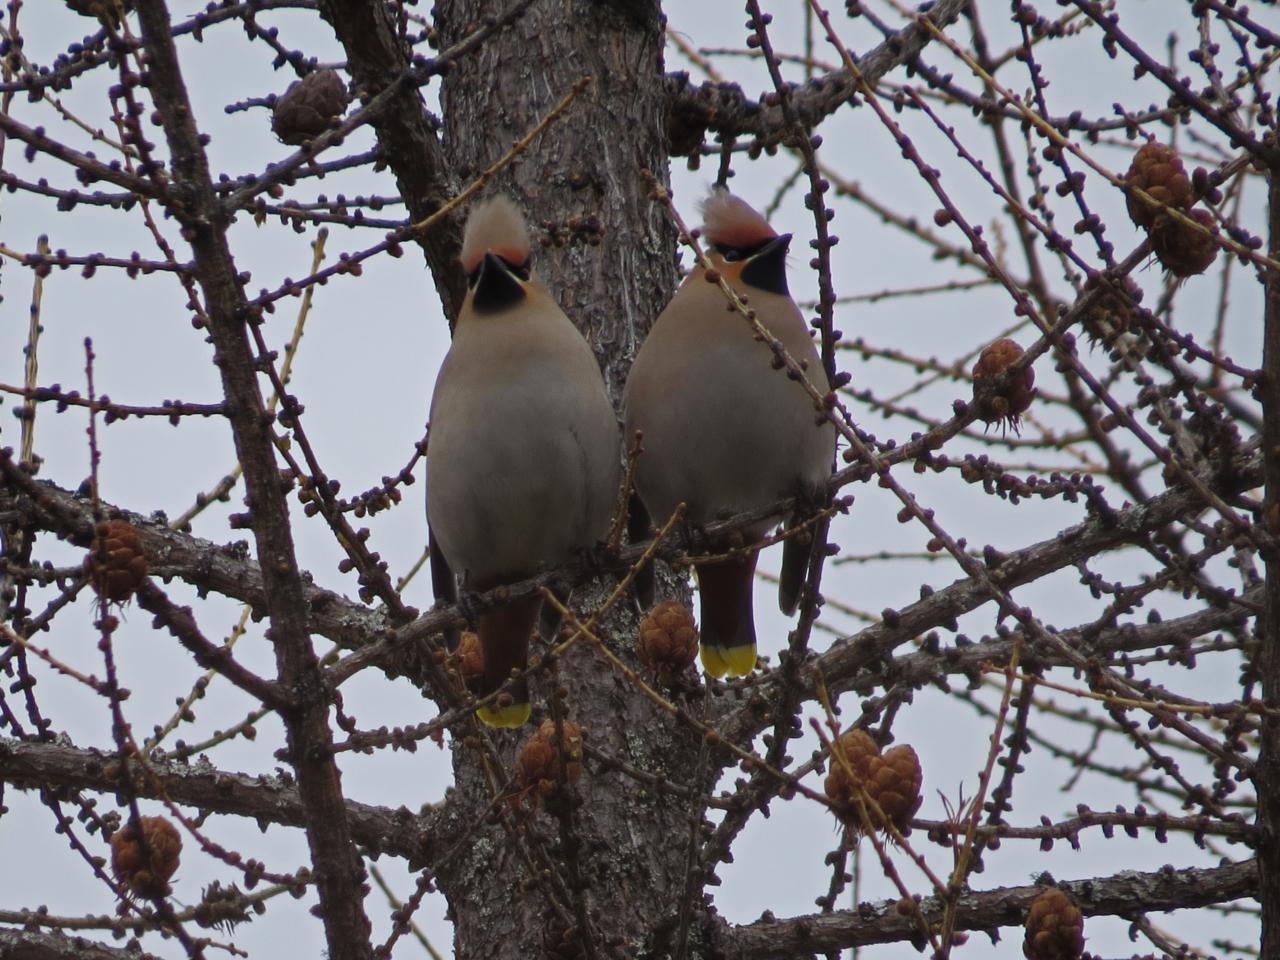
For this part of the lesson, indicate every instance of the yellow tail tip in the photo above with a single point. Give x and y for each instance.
(515, 715)
(734, 661)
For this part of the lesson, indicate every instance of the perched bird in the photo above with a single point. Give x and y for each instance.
(723, 432)
(523, 457)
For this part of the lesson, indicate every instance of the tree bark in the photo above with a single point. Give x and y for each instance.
(624, 850)
(589, 165)
(36, 945)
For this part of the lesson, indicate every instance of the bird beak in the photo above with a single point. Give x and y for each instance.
(767, 268)
(778, 246)
(490, 263)
(497, 286)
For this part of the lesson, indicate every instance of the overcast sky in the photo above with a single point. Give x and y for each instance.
(365, 371)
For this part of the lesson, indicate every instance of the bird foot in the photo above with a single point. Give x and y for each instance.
(469, 606)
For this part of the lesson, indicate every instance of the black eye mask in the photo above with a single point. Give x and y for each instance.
(766, 263)
(497, 284)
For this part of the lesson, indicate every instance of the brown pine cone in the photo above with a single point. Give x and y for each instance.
(892, 779)
(668, 641)
(1156, 169)
(1112, 312)
(1055, 928)
(116, 563)
(310, 107)
(1015, 398)
(130, 867)
(469, 658)
(538, 765)
(1182, 249)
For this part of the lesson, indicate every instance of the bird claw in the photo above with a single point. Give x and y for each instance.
(469, 606)
(810, 499)
(693, 537)
(595, 559)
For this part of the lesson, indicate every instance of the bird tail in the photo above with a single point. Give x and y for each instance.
(728, 626)
(444, 586)
(638, 530)
(796, 552)
(549, 616)
(504, 638)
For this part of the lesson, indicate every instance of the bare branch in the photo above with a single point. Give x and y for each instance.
(1122, 894)
(33, 945)
(726, 111)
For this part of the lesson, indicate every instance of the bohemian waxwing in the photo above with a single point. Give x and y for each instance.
(523, 459)
(723, 431)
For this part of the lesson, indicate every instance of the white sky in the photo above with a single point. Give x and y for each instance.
(365, 372)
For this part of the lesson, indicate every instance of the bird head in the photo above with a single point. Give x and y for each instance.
(495, 255)
(743, 245)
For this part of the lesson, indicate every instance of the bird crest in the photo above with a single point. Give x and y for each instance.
(728, 221)
(495, 226)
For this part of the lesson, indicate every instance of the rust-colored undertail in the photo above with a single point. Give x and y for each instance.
(504, 638)
(728, 625)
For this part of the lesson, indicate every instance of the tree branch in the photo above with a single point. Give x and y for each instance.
(1090, 538)
(378, 60)
(725, 110)
(181, 622)
(917, 669)
(338, 871)
(225, 569)
(31, 945)
(1267, 772)
(89, 169)
(1122, 894)
(34, 765)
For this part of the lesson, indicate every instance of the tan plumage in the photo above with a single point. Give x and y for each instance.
(723, 432)
(495, 226)
(523, 457)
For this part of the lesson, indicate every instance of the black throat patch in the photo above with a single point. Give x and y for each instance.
(497, 284)
(766, 269)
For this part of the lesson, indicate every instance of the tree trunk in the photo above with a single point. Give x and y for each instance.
(588, 165)
(620, 850)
